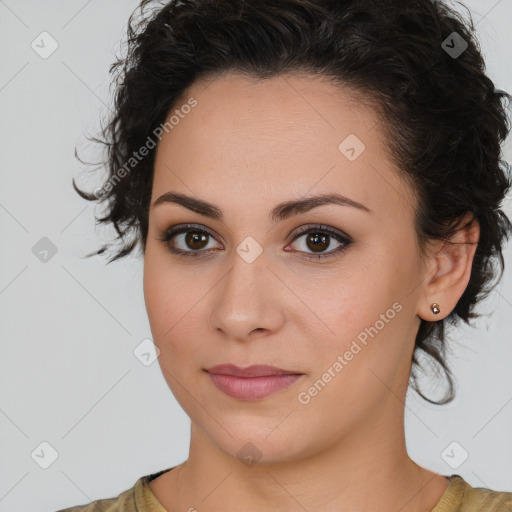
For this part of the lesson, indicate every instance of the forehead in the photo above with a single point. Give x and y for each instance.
(277, 138)
(264, 105)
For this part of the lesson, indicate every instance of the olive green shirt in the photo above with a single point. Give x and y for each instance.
(458, 497)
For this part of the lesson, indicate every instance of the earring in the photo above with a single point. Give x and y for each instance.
(435, 308)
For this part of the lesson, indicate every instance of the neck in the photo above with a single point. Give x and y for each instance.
(369, 469)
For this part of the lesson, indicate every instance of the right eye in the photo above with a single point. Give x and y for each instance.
(191, 237)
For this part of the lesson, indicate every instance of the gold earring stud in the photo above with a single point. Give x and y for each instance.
(435, 308)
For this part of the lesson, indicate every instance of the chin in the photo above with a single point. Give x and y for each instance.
(256, 440)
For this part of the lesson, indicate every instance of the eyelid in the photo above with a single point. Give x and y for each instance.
(184, 228)
(339, 235)
(180, 228)
(305, 228)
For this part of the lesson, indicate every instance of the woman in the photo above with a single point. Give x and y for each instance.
(315, 186)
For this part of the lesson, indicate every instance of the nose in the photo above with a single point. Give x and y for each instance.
(248, 299)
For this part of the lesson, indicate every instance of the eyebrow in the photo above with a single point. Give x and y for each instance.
(281, 212)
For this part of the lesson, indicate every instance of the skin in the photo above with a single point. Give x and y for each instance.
(247, 146)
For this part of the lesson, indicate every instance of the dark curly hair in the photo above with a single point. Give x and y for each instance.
(443, 117)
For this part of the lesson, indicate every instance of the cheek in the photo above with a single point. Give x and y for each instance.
(155, 297)
(361, 311)
(162, 296)
(348, 297)
(172, 301)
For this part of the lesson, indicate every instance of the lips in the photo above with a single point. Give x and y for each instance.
(258, 370)
(252, 383)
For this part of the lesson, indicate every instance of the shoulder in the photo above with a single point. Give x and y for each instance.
(466, 498)
(480, 498)
(137, 498)
(123, 503)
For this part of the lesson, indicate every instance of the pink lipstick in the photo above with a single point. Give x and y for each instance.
(253, 382)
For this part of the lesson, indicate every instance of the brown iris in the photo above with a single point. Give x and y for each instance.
(193, 237)
(317, 240)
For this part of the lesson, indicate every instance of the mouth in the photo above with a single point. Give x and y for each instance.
(251, 383)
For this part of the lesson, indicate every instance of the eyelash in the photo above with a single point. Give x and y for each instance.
(316, 228)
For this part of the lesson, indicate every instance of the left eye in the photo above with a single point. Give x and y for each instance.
(318, 238)
(195, 240)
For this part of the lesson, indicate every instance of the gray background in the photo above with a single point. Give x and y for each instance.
(69, 325)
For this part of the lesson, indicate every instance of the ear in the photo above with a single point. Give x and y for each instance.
(449, 269)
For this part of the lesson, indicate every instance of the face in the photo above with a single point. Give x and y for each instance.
(329, 292)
